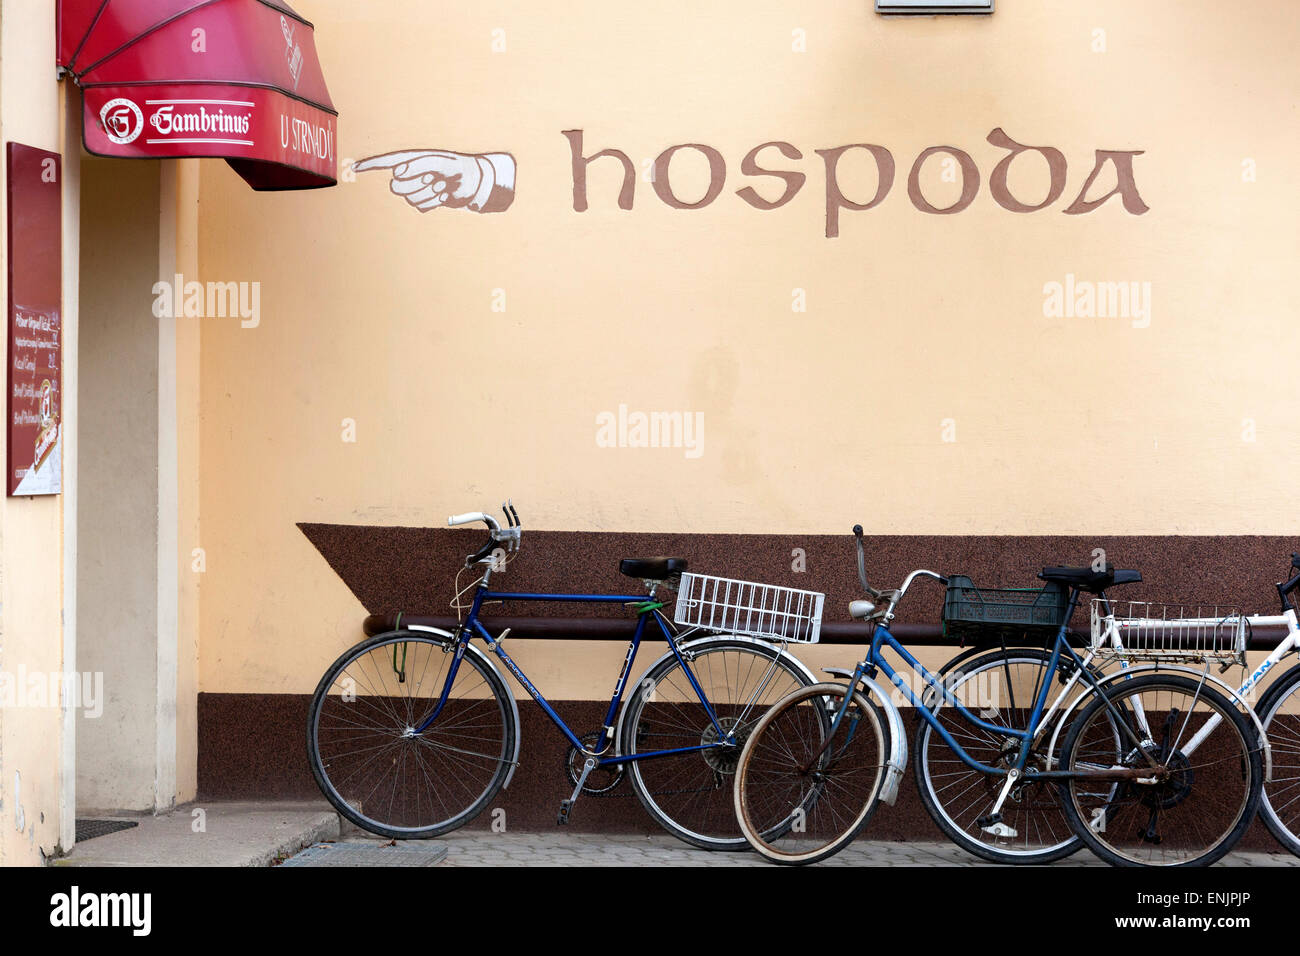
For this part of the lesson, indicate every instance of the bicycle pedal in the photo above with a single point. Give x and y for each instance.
(565, 807)
(994, 826)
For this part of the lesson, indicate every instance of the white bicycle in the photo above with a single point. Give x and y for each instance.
(1143, 636)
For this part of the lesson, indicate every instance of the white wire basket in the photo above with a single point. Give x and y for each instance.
(744, 607)
(1151, 631)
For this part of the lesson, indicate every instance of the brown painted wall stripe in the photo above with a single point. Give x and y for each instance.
(413, 569)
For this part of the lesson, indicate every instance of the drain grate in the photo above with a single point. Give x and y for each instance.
(89, 829)
(369, 854)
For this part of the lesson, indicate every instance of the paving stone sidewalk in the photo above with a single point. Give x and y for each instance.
(477, 848)
(263, 834)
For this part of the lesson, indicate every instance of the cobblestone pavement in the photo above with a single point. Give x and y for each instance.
(593, 849)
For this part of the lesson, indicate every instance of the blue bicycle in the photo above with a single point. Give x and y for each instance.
(1157, 769)
(412, 733)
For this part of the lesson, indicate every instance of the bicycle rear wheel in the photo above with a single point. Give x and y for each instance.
(367, 758)
(689, 794)
(1001, 687)
(1202, 773)
(1279, 712)
(802, 793)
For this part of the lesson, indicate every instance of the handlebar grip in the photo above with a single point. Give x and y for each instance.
(468, 517)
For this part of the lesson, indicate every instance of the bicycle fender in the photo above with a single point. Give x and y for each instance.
(897, 734)
(627, 699)
(514, 704)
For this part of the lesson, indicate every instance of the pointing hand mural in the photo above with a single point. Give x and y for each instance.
(430, 178)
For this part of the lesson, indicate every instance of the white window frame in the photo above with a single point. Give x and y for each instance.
(930, 8)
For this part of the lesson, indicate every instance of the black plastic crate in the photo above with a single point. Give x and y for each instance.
(979, 614)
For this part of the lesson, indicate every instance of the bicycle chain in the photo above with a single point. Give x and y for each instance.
(611, 793)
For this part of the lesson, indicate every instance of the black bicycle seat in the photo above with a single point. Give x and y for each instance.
(651, 569)
(1090, 579)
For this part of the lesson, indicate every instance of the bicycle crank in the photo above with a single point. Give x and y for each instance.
(600, 780)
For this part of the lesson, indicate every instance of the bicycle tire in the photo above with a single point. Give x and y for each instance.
(783, 804)
(689, 794)
(471, 775)
(1280, 805)
(1196, 785)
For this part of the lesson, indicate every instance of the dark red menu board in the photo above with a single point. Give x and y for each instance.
(35, 445)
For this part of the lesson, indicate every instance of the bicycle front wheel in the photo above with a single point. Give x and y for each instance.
(806, 786)
(689, 792)
(1279, 712)
(373, 765)
(1197, 773)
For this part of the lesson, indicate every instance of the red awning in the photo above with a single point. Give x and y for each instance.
(236, 79)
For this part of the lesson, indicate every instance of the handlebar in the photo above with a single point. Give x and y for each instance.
(893, 597)
(1285, 588)
(862, 563)
(469, 517)
(511, 535)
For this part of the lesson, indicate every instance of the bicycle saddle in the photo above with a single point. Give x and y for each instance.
(651, 569)
(1088, 579)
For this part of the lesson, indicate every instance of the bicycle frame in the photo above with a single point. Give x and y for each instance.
(1041, 715)
(1287, 646)
(647, 608)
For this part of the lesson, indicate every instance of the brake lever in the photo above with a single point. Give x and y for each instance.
(512, 533)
